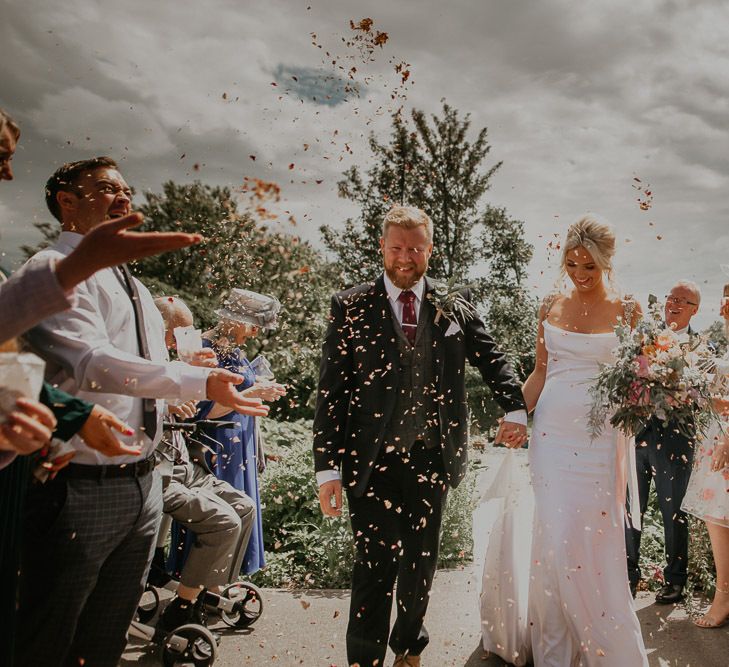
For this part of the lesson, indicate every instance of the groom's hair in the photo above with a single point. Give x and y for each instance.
(407, 217)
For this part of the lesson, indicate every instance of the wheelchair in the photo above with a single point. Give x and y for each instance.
(239, 604)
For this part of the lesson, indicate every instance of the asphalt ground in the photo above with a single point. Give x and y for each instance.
(308, 627)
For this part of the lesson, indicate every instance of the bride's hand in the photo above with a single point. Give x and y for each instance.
(511, 434)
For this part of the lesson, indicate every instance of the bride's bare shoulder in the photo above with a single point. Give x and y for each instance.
(548, 304)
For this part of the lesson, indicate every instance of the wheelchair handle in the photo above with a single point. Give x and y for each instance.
(198, 425)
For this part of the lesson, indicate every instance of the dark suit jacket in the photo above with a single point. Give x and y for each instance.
(358, 382)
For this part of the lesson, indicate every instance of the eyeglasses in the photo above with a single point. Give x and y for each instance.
(679, 301)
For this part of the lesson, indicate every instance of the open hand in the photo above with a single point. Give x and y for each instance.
(266, 390)
(98, 433)
(221, 388)
(184, 410)
(28, 428)
(111, 243)
(204, 357)
(720, 456)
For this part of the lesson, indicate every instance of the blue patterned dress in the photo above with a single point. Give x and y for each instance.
(234, 460)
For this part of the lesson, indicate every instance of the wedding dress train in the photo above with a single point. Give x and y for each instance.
(579, 610)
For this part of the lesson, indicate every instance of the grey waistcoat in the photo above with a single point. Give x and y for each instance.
(415, 415)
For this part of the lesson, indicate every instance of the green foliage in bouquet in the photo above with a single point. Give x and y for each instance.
(306, 550)
(656, 373)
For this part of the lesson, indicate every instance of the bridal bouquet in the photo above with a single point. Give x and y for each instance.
(656, 373)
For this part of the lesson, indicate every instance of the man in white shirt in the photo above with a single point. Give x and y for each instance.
(90, 533)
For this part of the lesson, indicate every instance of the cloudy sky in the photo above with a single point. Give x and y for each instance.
(579, 99)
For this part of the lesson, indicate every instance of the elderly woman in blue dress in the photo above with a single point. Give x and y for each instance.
(238, 457)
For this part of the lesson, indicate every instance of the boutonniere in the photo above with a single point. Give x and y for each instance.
(450, 303)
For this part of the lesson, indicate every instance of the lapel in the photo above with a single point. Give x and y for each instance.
(427, 309)
(383, 319)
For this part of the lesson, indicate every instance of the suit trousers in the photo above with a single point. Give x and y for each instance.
(396, 526)
(222, 519)
(669, 467)
(86, 550)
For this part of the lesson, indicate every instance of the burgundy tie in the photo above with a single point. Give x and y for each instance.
(409, 321)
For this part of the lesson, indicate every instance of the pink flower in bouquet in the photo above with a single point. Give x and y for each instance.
(639, 394)
(644, 366)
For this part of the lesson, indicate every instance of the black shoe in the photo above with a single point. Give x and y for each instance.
(633, 589)
(178, 612)
(670, 594)
(200, 615)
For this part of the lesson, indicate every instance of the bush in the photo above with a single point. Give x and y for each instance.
(306, 550)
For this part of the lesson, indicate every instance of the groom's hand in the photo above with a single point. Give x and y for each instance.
(327, 492)
(511, 434)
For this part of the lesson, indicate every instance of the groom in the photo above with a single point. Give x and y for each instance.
(391, 425)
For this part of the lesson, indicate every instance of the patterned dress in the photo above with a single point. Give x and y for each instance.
(233, 458)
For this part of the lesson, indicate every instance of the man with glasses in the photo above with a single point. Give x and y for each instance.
(664, 455)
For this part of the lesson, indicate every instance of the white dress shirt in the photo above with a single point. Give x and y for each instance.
(393, 296)
(92, 352)
(29, 295)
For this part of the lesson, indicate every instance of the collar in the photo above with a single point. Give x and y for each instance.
(69, 239)
(393, 292)
(681, 332)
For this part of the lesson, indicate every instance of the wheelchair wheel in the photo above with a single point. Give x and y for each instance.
(248, 605)
(148, 605)
(197, 647)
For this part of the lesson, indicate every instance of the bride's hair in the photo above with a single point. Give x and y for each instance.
(598, 238)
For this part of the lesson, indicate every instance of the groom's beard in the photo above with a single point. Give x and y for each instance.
(404, 280)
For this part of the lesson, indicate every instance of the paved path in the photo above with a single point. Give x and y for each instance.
(308, 627)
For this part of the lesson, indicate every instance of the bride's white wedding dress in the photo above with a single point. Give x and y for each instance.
(580, 611)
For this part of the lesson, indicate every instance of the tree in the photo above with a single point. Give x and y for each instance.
(432, 164)
(240, 251)
(716, 332)
(433, 167)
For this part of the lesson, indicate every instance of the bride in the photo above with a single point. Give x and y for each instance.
(580, 610)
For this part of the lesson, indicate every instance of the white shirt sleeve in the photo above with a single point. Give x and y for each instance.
(324, 476)
(516, 417)
(79, 341)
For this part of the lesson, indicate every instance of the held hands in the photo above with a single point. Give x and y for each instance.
(221, 388)
(511, 434)
(330, 498)
(28, 428)
(111, 243)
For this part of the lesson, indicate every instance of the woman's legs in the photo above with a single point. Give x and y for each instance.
(719, 610)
